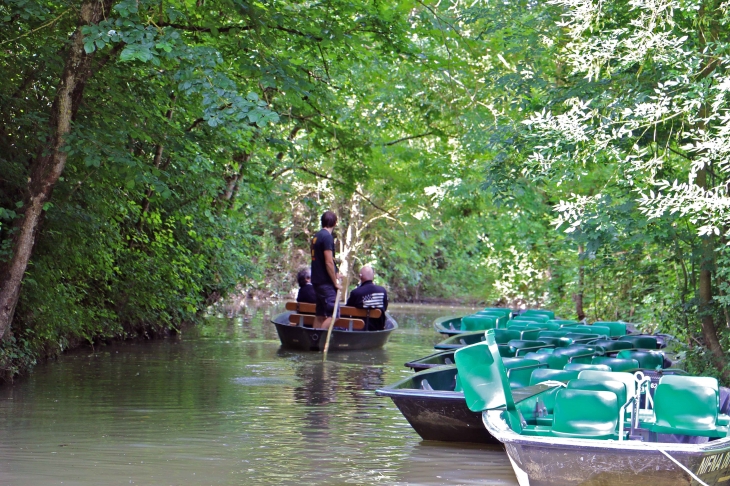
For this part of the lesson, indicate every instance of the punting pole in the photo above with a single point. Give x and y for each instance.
(332, 324)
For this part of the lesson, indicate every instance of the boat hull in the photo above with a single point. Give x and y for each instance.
(442, 418)
(308, 339)
(549, 461)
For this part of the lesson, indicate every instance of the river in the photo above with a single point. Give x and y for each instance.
(224, 405)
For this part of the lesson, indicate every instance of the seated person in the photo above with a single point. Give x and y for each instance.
(306, 289)
(370, 296)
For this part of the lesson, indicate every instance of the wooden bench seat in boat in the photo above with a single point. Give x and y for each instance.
(351, 318)
(307, 320)
(344, 311)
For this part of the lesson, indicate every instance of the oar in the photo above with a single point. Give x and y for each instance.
(332, 324)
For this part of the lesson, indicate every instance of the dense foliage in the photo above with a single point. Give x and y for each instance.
(569, 154)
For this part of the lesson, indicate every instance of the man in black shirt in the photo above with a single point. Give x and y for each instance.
(324, 271)
(306, 289)
(370, 296)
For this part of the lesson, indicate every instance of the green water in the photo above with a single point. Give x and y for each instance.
(224, 405)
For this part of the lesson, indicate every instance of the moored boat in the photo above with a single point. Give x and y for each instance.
(433, 403)
(595, 431)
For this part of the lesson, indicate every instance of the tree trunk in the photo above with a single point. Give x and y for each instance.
(50, 162)
(709, 331)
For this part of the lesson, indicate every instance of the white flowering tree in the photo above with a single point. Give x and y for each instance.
(649, 88)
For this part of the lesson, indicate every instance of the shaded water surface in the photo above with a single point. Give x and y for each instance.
(224, 405)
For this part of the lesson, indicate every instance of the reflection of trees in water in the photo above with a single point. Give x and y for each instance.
(320, 383)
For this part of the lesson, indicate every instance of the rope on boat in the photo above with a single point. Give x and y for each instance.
(683, 467)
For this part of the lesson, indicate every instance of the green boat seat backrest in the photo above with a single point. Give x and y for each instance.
(563, 356)
(582, 337)
(503, 336)
(586, 366)
(647, 359)
(501, 318)
(585, 413)
(558, 342)
(545, 374)
(478, 323)
(564, 322)
(498, 310)
(521, 347)
(552, 333)
(506, 351)
(529, 334)
(617, 328)
(519, 370)
(584, 329)
(601, 385)
(530, 319)
(641, 342)
(483, 376)
(543, 358)
(616, 364)
(687, 410)
(541, 312)
(546, 350)
(626, 378)
(683, 380)
(611, 346)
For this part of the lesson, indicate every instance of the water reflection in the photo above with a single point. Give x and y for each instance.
(225, 405)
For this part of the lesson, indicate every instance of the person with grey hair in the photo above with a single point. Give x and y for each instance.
(370, 296)
(306, 289)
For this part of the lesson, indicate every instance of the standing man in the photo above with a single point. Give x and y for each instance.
(324, 271)
(370, 296)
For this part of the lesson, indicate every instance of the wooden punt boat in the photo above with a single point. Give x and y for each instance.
(300, 335)
(580, 434)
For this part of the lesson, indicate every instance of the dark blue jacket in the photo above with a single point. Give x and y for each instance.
(306, 294)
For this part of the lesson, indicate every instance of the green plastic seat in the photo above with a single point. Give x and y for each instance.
(564, 322)
(546, 350)
(611, 346)
(641, 341)
(531, 318)
(478, 323)
(601, 385)
(647, 359)
(558, 342)
(616, 364)
(545, 374)
(617, 328)
(586, 414)
(686, 410)
(586, 366)
(519, 370)
(684, 380)
(501, 319)
(585, 329)
(552, 333)
(579, 338)
(498, 310)
(506, 351)
(522, 347)
(543, 358)
(563, 356)
(626, 378)
(542, 312)
(529, 334)
(503, 336)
